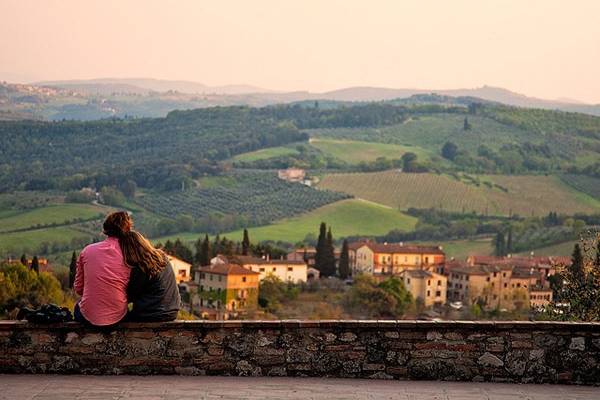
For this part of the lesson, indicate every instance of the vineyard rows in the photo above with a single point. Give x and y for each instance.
(258, 196)
(523, 195)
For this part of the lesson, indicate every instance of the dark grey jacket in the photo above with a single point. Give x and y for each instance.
(154, 299)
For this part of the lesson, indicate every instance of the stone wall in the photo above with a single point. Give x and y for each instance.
(453, 350)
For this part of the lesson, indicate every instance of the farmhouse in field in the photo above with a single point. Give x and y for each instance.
(292, 174)
(393, 258)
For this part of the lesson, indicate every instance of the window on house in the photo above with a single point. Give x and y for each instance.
(243, 279)
(210, 277)
(261, 270)
(504, 274)
(220, 278)
(428, 293)
(495, 273)
(506, 285)
(426, 260)
(290, 269)
(408, 280)
(487, 279)
(518, 284)
(202, 276)
(439, 283)
(429, 283)
(274, 269)
(438, 293)
(201, 288)
(492, 284)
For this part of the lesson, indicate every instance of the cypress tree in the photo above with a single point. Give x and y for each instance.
(344, 267)
(72, 270)
(205, 252)
(24, 260)
(509, 241)
(329, 261)
(216, 248)
(35, 264)
(500, 244)
(198, 250)
(245, 243)
(321, 248)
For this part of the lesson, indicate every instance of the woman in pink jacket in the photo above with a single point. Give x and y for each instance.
(102, 276)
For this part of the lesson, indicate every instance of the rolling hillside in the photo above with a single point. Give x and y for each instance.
(502, 195)
(346, 218)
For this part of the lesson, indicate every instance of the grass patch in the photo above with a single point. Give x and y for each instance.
(54, 214)
(264, 154)
(354, 152)
(25, 242)
(346, 218)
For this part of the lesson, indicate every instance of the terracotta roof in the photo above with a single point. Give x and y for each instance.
(399, 248)
(261, 261)
(520, 261)
(227, 269)
(525, 273)
(475, 270)
(417, 273)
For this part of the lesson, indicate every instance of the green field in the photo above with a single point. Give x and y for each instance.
(264, 154)
(346, 218)
(560, 249)
(460, 249)
(354, 152)
(432, 131)
(54, 214)
(16, 243)
(524, 195)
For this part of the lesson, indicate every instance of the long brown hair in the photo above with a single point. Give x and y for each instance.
(117, 224)
(139, 252)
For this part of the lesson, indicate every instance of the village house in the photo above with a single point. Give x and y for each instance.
(501, 286)
(393, 258)
(430, 288)
(545, 265)
(227, 287)
(307, 255)
(44, 265)
(181, 269)
(285, 270)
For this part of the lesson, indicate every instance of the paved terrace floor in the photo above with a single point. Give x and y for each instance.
(59, 387)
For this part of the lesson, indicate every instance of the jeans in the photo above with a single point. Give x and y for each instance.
(78, 316)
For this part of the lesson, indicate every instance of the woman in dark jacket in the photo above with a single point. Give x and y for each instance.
(152, 287)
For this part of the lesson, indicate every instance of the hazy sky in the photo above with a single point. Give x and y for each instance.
(543, 48)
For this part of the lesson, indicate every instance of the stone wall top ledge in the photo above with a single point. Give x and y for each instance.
(326, 324)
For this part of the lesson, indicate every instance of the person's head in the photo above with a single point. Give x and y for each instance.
(139, 252)
(117, 224)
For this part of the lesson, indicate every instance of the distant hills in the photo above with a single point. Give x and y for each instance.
(143, 97)
(145, 85)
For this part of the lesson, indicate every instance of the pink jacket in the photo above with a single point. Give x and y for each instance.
(101, 280)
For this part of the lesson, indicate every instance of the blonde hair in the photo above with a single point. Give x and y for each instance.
(139, 252)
